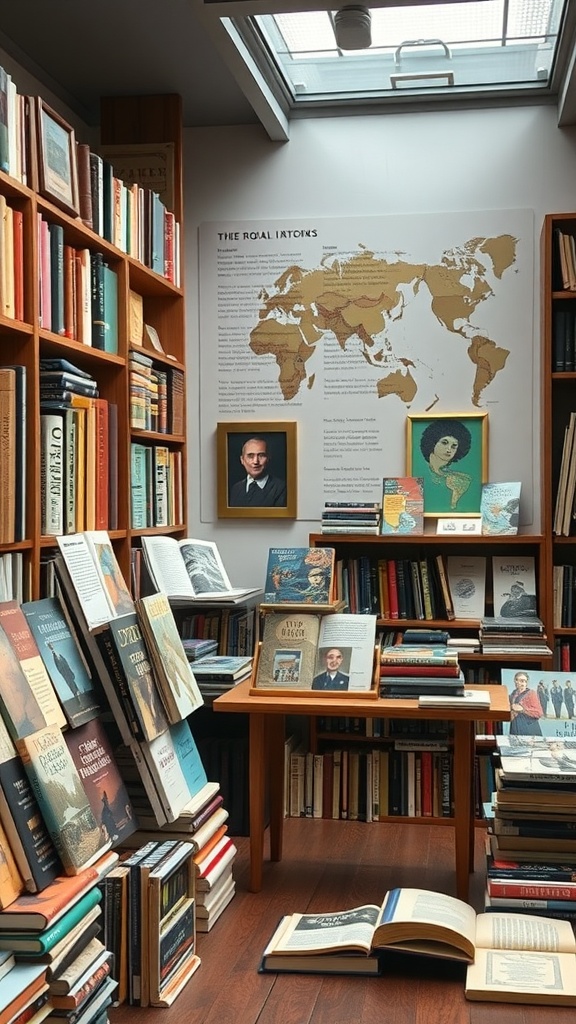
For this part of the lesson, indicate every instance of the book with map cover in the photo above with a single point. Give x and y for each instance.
(402, 505)
(300, 575)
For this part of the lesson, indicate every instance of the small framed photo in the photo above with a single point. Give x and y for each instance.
(57, 172)
(256, 467)
(450, 453)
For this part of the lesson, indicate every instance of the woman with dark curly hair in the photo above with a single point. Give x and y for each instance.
(443, 442)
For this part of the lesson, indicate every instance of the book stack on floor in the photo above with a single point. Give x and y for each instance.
(532, 840)
(149, 913)
(513, 636)
(422, 664)
(58, 936)
(351, 517)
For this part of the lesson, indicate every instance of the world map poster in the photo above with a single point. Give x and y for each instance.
(349, 325)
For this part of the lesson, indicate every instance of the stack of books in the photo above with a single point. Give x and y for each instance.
(511, 636)
(215, 885)
(351, 517)
(217, 673)
(56, 938)
(196, 648)
(532, 835)
(422, 664)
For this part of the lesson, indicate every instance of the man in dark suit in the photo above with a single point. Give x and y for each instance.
(332, 678)
(258, 489)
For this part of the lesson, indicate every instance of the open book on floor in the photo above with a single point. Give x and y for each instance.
(432, 924)
(190, 570)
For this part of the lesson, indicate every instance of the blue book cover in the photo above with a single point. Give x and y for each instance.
(299, 575)
(188, 756)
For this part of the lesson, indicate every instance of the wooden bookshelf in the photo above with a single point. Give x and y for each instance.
(24, 342)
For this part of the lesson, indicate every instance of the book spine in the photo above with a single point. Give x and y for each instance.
(52, 474)
(57, 278)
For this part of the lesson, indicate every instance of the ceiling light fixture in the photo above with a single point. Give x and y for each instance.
(352, 28)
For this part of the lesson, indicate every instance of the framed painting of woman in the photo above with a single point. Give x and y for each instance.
(450, 453)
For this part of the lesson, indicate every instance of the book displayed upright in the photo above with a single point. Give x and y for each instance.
(402, 505)
(514, 586)
(500, 508)
(178, 687)
(467, 582)
(299, 575)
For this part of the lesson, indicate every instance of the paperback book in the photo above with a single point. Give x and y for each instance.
(300, 575)
(500, 508)
(541, 703)
(177, 684)
(402, 505)
(92, 754)
(514, 587)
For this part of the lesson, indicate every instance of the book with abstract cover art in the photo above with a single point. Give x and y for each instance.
(300, 575)
(500, 508)
(57, 786)
(64, 662)
(402, 505)
(178, 687)
(97, 768)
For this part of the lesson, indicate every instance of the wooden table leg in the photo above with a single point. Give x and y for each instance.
(463, 805)
(275, 738)
(256, 778)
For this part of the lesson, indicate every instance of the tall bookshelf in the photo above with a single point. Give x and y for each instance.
(558, 374)
(127, 120)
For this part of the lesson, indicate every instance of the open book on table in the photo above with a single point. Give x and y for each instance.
(433, 924)
(190, 570)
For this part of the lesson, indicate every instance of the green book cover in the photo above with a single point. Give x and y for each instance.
(42, 941)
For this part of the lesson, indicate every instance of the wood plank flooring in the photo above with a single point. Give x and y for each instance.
(332, 865)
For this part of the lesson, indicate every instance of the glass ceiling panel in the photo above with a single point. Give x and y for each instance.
(428, 49)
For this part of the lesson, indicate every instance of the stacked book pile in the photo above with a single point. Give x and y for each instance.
(351, 517)
(532, 830)
(217, 673)
(196, 648)
(511, 636)
(422, 664)
(149, 913)
(58, 968)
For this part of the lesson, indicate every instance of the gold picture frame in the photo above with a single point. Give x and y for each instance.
(271, 458)
(437, 441)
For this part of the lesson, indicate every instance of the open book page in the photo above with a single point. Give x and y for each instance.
(167, 567)
(204, 567)
(349, 930)
(520, 976)
(428, 922)
(355, 636)
(93, 596)
(524, 931)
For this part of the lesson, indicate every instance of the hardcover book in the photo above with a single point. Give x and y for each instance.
(17, 629)
(92, 754)
(190, 570)
(467, 582)
(42, 941)
(433, 924)
(135, 675)
(20, 708)
(31, 912)
(63, 659)
(300, 575)
(500, 508)
(537, 758)
(402, 505)
(178, 687)
(303, 651)
(62, 798)
(514, 586)
(541, 703)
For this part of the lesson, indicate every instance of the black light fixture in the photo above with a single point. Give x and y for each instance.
(352, 28)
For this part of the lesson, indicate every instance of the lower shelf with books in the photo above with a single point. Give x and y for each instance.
(223, 744)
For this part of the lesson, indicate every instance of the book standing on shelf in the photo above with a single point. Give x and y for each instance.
(300, 575)
(402, 505)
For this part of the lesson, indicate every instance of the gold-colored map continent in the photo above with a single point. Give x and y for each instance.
(359, 296)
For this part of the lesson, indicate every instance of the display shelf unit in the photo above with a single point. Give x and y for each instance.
(558, 396)
(25, 342)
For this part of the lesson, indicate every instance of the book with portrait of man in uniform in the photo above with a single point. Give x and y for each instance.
(305, 652)
(300, 575)
(541, 703)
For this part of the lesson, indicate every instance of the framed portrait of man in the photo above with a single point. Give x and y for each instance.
(450, 452)
(256, 470)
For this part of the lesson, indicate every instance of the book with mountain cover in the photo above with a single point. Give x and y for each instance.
(300, 575)
(57, 786)
(436, 925)
(63, 659)
(296, 645)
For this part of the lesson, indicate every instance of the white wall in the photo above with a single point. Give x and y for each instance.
(455, 161)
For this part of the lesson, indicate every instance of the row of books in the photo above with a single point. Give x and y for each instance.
(11, 261)
(78, 290)
(234, 630)
(11, 576)
(156, 395)
(13, 453)
(564, 263)
(564, 596)
(369, 785)
(131, 217)
(156, 497)
(565, 506)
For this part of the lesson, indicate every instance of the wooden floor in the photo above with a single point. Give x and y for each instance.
(333, 865)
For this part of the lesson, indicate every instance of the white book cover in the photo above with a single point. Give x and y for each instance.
(190, 569)
(514, 586)
(467, 582)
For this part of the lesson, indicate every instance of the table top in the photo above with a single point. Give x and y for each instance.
(240, 699)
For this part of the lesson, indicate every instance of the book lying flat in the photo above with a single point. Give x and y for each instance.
(469, 699)
(190, 570)
(433, 924)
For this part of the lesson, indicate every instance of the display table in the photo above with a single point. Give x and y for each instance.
(266, 758)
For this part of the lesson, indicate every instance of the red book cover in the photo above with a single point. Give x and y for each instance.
(392, 588)
(532, 891)
(208, 865)
(102, 464)
(444, 671)
(18, 249)
(565, 657)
